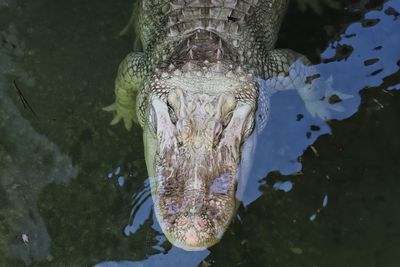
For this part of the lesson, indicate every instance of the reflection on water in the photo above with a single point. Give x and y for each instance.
(287, 136)
(76, 187)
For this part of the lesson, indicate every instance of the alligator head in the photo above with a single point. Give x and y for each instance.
(197, 121)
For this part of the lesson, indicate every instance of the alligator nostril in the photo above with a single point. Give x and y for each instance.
(183, 222)
(200, 222)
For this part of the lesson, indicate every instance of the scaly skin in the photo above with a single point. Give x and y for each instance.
(206, 68)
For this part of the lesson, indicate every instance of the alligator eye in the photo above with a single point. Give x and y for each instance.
(172, 114)
(250, 124)
(228, 118)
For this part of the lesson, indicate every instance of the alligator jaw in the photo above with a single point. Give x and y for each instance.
(193, 146)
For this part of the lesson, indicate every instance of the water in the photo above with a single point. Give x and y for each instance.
(320, 194)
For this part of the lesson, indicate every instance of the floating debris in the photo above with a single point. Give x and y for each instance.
(117, 171)
(378, 103)
(387, 92)
(22, 98)
(312, 217)
(239, 218)
(299, 117)
(325, 201)
(25, 239)
(314, 150)
(121, 181)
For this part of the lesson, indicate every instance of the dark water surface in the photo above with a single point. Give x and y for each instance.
(320, 193)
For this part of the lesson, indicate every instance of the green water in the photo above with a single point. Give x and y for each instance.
(63, 56)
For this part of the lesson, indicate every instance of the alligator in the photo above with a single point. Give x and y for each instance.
(200, 91)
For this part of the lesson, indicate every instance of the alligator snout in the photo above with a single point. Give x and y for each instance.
(198, 136)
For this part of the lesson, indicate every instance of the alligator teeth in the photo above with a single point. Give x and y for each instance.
(220, 50)
(219, 68)
(221, 27)
(191, 54)
(239, 69)
(172, 33)
(171, 21)
(174, 6)
(189, 67)
(177, 73)
(220, 53)
(234, 28)
(229, 74)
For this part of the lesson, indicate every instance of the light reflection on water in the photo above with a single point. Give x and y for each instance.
(285, 139)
